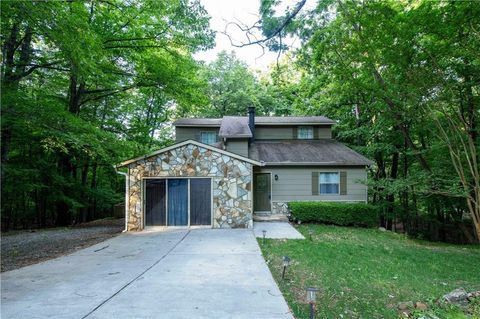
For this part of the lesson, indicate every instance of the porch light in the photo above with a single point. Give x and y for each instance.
(264, 234)
(286, 263)
(276, 177)
(312, 299)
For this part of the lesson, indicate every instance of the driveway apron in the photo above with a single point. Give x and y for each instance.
(203, 273)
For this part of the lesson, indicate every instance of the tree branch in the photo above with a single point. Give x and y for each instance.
(277, 32)
(34, 67)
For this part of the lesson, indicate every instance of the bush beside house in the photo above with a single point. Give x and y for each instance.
(343, 214)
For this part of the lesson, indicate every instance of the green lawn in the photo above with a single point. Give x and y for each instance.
(365, 273)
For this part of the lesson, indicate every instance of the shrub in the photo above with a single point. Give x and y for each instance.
(344, 214)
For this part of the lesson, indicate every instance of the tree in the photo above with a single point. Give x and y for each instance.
(403, 77)
(231, 86)
(85, 84)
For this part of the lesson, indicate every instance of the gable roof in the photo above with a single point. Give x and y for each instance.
(198, 122)
(177, 145)
(235, 126)
(326, 152)
(259, 120)
(289, 120)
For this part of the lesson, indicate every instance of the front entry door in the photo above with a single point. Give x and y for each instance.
(177, 202)
(262, 192)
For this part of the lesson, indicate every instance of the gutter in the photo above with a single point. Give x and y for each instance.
(314, 164)
(127, 189)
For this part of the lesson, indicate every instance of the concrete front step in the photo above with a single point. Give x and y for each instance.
(261, 217)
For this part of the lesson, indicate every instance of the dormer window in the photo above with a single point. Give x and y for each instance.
(305, 133)
(208, 137)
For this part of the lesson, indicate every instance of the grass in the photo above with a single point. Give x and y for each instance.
(365, 273)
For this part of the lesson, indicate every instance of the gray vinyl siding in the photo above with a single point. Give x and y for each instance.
(192, 133)
(273, 133)
(324, 132)
(295, 183)
(237, 146)
(287, 132)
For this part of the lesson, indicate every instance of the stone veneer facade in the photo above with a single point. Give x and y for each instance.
(231, 179)
(280, 208)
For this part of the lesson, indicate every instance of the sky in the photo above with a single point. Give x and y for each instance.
(246, 11)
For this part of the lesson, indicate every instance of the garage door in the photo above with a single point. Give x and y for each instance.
(178, 202)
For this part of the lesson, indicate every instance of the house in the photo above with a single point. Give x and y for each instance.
(222, 173)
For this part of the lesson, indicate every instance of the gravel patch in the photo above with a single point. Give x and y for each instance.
(23, 248)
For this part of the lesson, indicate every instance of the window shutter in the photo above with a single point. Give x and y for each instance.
(343, 183)
(295, 133)
(314, 183)
(315, 133)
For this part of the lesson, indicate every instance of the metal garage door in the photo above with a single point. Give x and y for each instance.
(178, 202)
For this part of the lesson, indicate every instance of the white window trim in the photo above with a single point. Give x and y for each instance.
(208, 132)
(305, 127)
(320, 183)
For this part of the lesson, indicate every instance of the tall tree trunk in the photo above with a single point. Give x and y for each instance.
(75, 93)
(9, 86)
(394, 109)
(67, 169)
(84, 209)
(63, 217)
(391, 197)
(379, 175)
(92, 208)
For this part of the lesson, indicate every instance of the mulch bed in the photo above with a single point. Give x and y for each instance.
(23, 248)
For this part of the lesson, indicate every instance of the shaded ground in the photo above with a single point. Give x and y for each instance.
(23, 248)
(366, 273)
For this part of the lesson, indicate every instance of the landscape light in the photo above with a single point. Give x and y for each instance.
(264, 234)
(312, 298)
(286, 263)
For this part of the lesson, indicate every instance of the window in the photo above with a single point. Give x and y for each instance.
(329, 183)
(208, 137)
(305, 133)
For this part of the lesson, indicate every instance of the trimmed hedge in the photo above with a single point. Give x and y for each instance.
(343, 214)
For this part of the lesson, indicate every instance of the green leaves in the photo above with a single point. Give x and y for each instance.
(85, 85)
(402, 79)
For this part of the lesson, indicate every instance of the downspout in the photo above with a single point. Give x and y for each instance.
(127, 202)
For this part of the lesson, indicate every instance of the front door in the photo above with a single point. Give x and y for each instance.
(262, 192)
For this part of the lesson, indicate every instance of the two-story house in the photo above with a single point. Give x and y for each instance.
(223, 172)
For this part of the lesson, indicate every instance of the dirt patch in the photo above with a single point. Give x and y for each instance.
(23, 248)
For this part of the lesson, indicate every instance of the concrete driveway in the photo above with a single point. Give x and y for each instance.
(203, 273)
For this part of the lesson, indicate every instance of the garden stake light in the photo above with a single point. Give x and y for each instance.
(264, 233)
(286, 263)
(312, 299)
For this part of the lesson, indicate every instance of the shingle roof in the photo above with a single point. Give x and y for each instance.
(197, 121)
(259, 120)
(233, 126)
(282, 120)
(311, 152)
